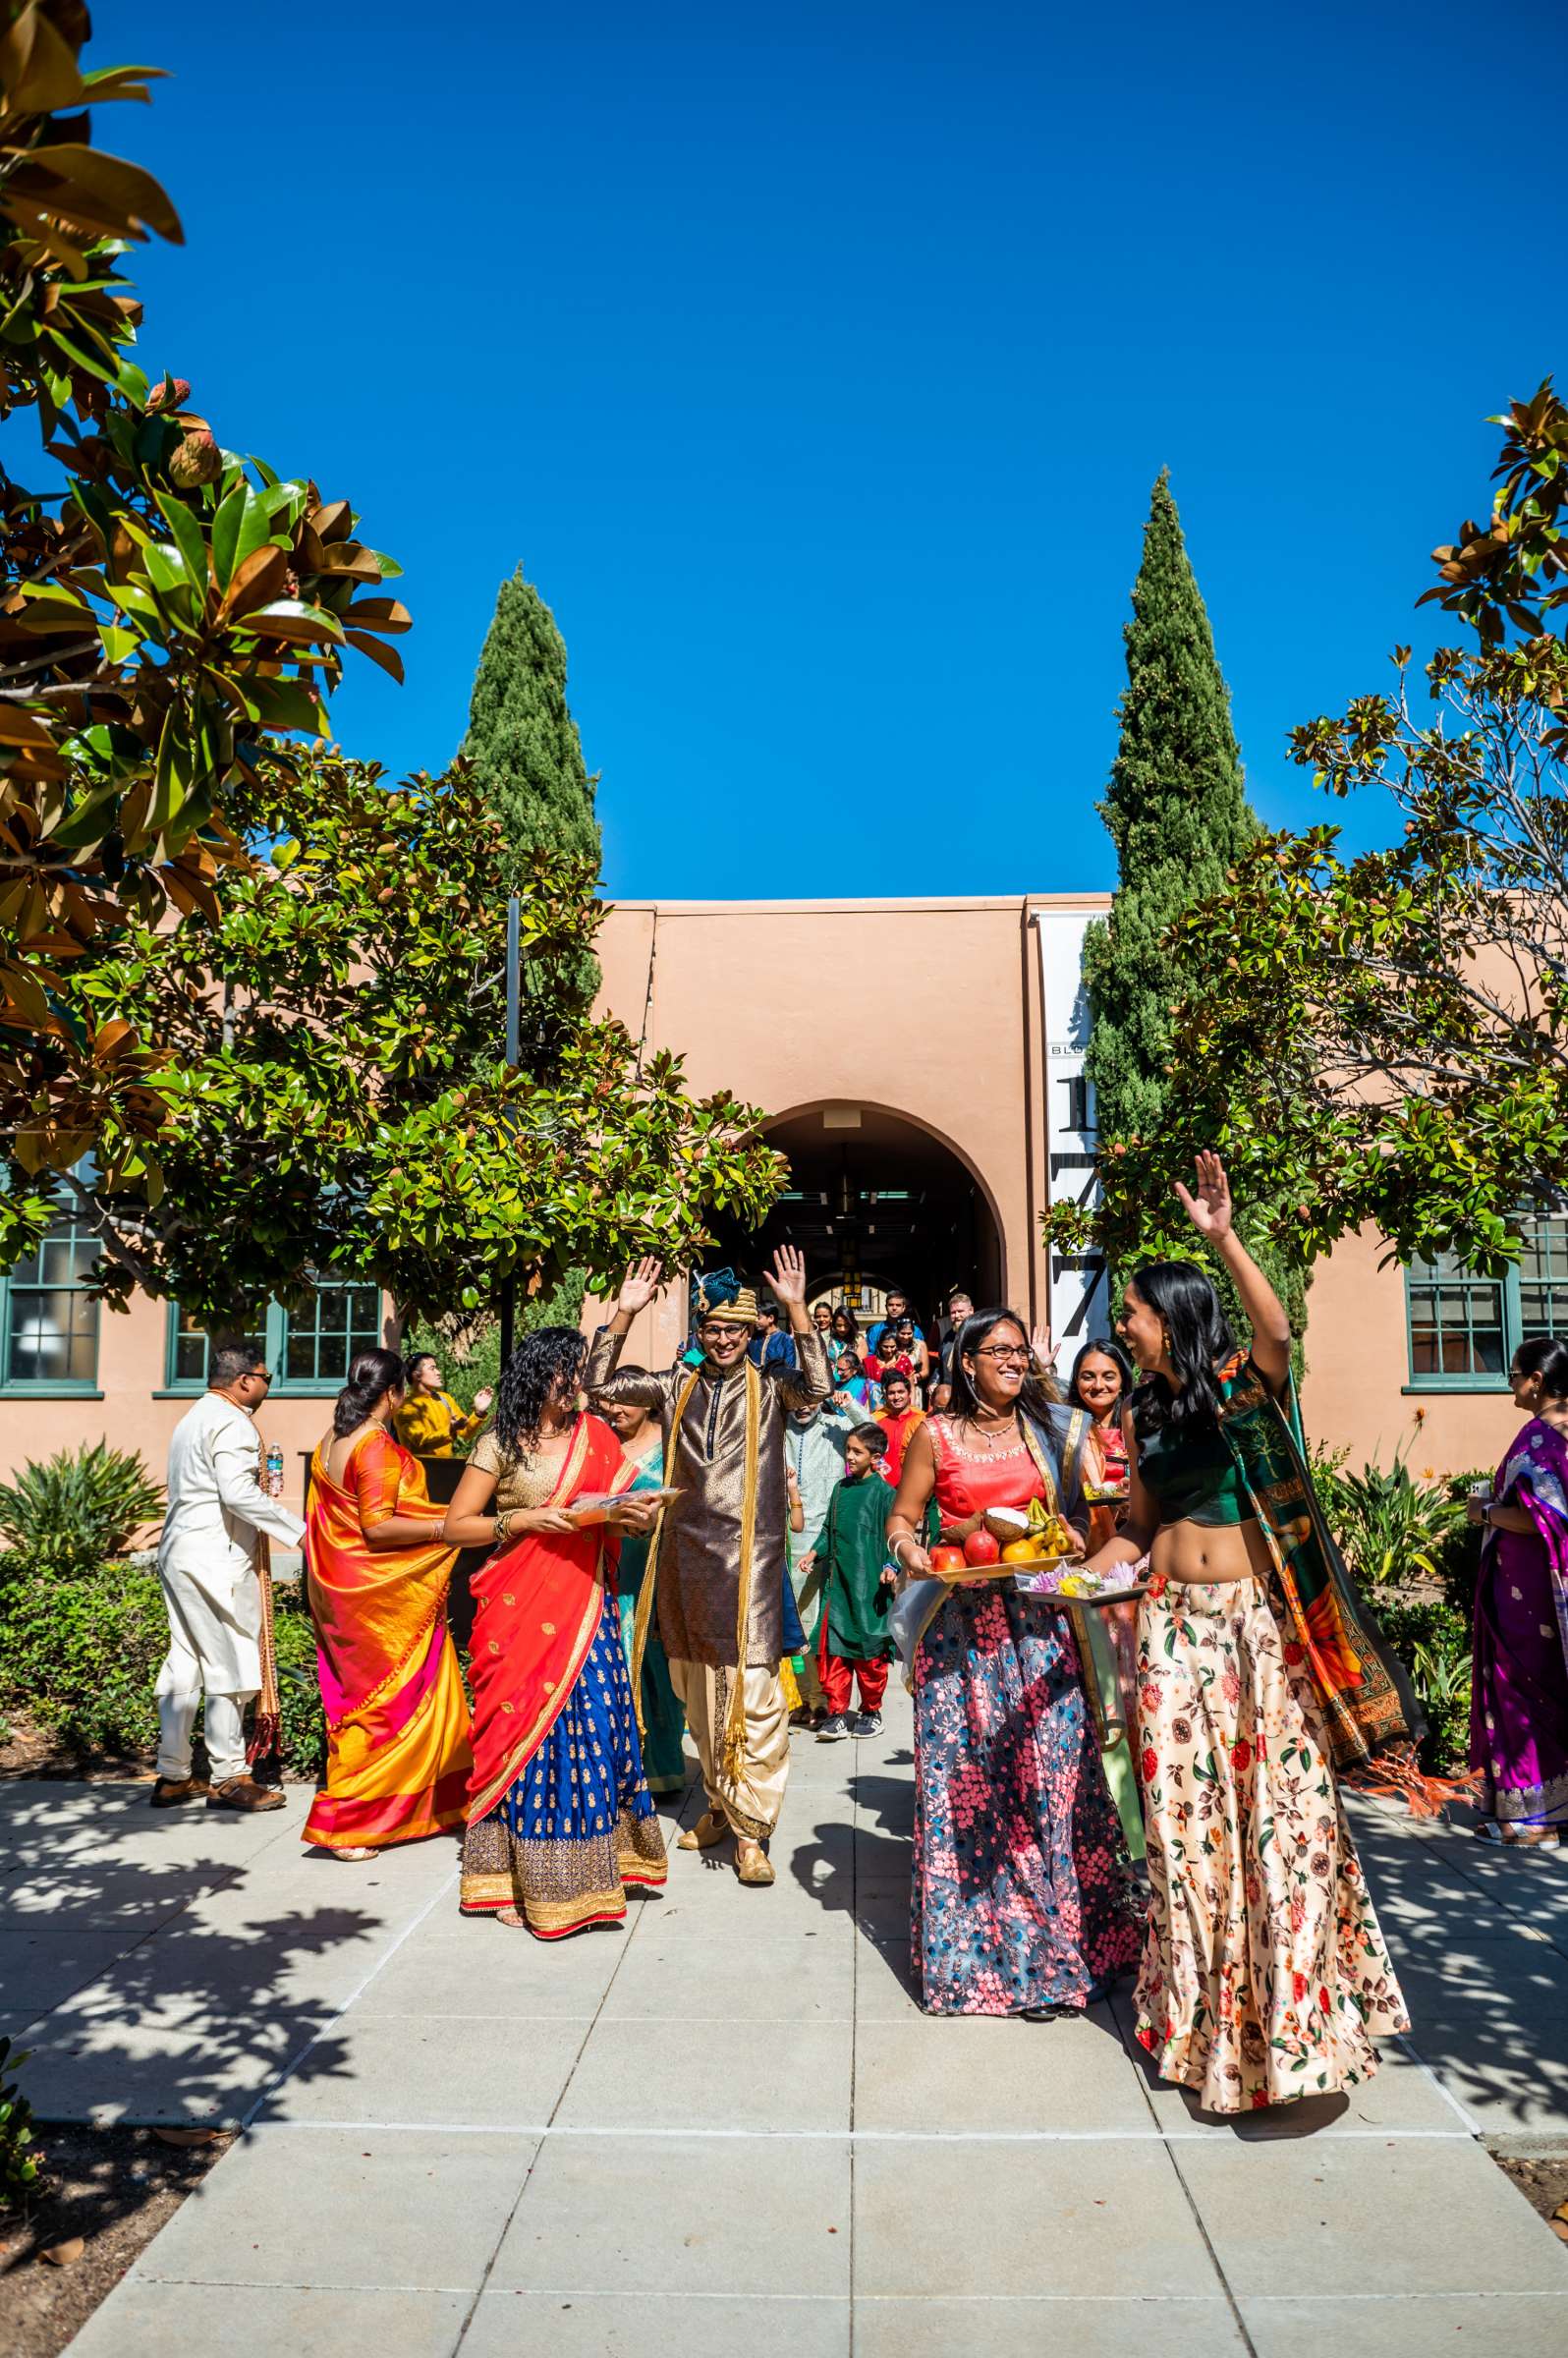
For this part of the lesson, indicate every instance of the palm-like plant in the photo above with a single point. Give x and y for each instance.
(1392, 1526)
(67, 1515)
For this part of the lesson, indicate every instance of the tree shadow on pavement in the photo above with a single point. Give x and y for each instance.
(169, 1988)
(1480, 1941)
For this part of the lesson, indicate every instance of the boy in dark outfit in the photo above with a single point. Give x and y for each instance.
(852, 1640)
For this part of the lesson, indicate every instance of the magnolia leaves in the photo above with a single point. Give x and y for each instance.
(162, 630)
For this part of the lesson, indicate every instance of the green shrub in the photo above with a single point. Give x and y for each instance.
(66, 1516)
(1432, 1640)
(304, 1739)
(1459, 1558)
(1392, 1528)
(19, 2169)
(80, 1656)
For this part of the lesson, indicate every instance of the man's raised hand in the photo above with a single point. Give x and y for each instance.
(640, 1287)
(788, 1274)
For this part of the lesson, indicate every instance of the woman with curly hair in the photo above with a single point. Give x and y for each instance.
(559, 1817)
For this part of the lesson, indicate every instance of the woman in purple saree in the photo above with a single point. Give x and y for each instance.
(1518, 1695)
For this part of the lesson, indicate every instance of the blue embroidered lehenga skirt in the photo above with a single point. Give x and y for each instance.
(579, 1823)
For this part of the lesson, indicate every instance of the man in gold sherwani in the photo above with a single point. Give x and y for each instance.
(716, 1569)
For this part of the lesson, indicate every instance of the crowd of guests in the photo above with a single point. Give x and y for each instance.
(743, 1544)
(891, 1349)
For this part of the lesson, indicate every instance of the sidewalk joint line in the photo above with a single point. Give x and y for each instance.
(852, 2136)
(1471, 2124)
(633, 1924)
(287, 2071)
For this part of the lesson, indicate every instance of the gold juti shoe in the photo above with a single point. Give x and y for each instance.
(753, 1865)
(710, 1827)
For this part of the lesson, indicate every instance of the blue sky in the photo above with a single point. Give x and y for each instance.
(817, 366)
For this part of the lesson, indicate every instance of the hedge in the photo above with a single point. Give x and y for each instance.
(80, 1658)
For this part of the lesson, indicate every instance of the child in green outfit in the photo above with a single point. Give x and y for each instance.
(852, 1640)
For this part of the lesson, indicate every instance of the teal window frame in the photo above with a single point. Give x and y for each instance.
(277, 1333)
(48, 1387)
(1551, 1246)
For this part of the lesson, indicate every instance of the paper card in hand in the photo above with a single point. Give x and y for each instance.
(594, 1507)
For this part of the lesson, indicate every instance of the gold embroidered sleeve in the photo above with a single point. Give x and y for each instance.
(809, 1381)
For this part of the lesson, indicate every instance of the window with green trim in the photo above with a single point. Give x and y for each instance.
(1543, 1278)
(309, 1349)
(191, 1348)
(1464, 1329)
(48, 1320)
(321, 1343)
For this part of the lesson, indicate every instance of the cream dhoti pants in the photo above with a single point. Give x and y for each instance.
(214, 1610)
(754, 1796)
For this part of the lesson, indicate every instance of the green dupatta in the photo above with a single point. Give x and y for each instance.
(1367, 1705)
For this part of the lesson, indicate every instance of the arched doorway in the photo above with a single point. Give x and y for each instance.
(873, 1198)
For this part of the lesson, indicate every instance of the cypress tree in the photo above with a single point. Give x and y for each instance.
(1177, 811)
(524, 744)
(522, 739)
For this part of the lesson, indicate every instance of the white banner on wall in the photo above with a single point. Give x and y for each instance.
(1079, 1295)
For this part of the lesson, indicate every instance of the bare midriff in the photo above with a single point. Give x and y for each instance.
(1211, 1552)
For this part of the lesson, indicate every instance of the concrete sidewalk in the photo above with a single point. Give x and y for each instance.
(731, 2121)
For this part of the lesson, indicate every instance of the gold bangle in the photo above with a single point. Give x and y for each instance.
(503, 1528)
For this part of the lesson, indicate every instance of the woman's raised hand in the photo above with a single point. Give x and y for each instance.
(1042, 1346)
(1209, 1210)
(788, 1274)
(641, 1285)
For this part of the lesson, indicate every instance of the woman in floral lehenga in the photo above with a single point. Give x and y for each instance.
(398, 1756)
(1021, 1900)
(560, 1818)
(1519, 1697)
(1264, 1975)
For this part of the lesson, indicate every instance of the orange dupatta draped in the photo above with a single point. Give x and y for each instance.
(539, 1603)
(398, 1754)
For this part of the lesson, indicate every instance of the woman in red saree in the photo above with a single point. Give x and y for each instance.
(560, 1820)
(398, 1753)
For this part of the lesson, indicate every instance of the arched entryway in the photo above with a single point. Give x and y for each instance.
(875, 1200)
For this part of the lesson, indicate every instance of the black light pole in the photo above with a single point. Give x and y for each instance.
(507, 1304)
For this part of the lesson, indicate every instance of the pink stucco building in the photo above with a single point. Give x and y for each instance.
(920, 1062)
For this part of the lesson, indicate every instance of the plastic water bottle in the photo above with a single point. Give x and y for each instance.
(274, 1472)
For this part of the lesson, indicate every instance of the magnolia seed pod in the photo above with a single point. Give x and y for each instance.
(197, 460)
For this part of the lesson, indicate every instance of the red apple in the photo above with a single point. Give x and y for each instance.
(981, 1548)
(948, 1560)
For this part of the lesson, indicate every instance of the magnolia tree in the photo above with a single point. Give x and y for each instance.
(167, 617)
(1384, 1039)
(250, 992)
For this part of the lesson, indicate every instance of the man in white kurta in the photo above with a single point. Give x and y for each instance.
(206, 1563)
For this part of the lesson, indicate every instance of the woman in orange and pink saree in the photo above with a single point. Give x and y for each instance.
(398, 1755)
(560, 1820)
